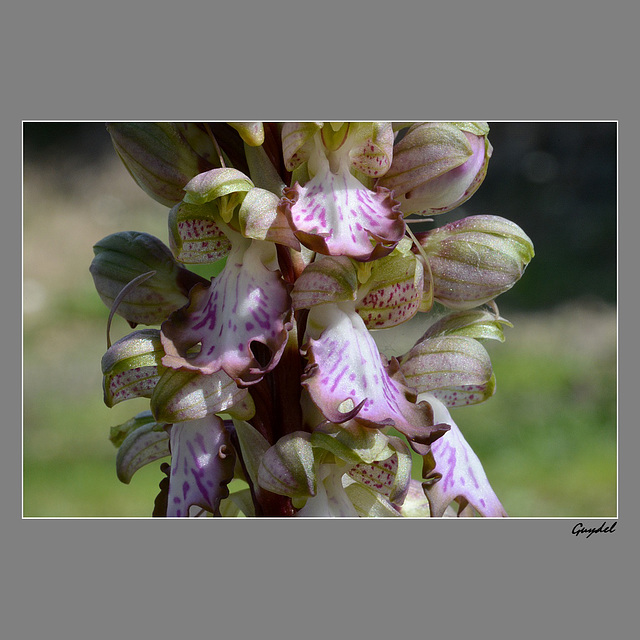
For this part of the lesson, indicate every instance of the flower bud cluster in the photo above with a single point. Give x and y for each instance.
(267, 373)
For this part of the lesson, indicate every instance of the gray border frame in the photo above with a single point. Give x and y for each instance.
(95, 579)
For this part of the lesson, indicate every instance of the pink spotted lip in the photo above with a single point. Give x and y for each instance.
(245, 304)
(335, 214)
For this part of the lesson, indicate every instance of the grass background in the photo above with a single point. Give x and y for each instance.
(547, 439)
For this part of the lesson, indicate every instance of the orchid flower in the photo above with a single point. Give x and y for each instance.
(267, 389)
(334, 213)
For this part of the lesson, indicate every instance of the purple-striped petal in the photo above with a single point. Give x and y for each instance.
(246, 304)
(454, 472)
(347, 378)
(202, 464)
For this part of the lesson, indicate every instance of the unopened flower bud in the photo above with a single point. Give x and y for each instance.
(455, 369)
(158, 157)
(132, 366)
(475, 259)
(199, 137)
(123, 256)
(438, 165)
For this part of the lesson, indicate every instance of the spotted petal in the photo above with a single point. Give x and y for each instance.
(394, 291)
(335, 214)
(454, 472)
(202, 464)
(389, 477)
(297, 142)
(246, 304)
(195, 235)
(371, 147)
(347, 378)
(132, 366)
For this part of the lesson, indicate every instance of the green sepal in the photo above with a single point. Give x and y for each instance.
(330, 279)
(217, 183)
(352, 442)
(146, 443)
(158, 157)
(477, 128)
(438, 165)
(199, 138)
(253, 446)
(288, 467)
(122, 257)
(252, 133)
(475, 259)
(369, 503)
(427, 151)
(474, 323)
(260, 219)
(182, 395)
(118, 433)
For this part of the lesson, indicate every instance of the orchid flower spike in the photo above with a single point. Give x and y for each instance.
(288, 261)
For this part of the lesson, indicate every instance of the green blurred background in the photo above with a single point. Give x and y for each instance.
(547, 439)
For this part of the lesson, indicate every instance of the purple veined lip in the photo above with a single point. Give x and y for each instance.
(247, 304)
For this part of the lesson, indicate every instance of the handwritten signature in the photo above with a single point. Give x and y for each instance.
(603, 528)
